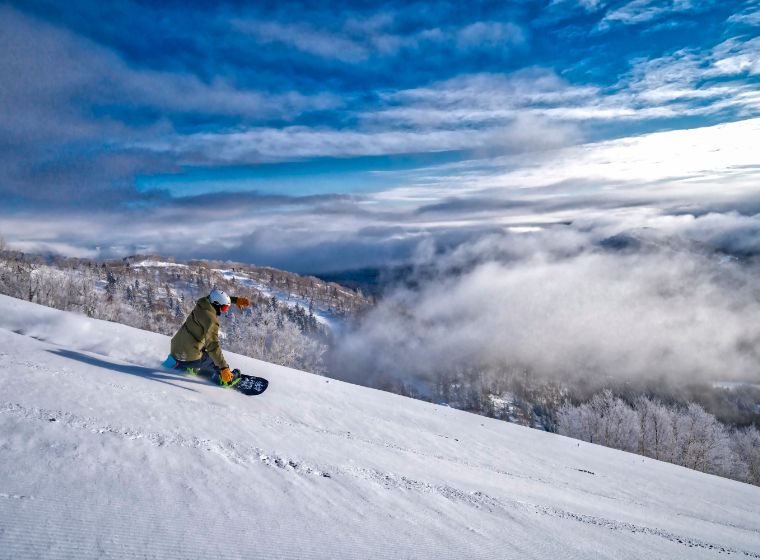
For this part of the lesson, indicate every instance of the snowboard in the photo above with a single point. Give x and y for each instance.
(246, 384)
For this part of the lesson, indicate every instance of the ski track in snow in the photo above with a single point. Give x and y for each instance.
(481, 500)
(269, 421)
(266, 420)
(232, 451)
(246, 454)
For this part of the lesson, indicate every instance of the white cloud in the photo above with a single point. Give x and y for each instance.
(573, 312)
(480, 98)
(643, 11)
(72, 110)
(676, 85)
(627, 181)
(735, 57)
(268, 144)
(692, 82)
(585, 5)
(490, 35)
(592, 5)
(606, 187)
(707, 153)
(51, 247)
(749, 16)
(57, 75)
(355, 41)
(306, 39)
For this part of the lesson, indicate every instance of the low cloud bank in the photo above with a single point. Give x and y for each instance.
(574, 303)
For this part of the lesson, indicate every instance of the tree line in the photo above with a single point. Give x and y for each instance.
(684, 435)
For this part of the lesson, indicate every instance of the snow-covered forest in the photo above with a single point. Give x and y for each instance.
(288, 322)
(666, 424)
(685, 435)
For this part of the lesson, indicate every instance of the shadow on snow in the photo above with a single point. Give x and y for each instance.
(140, 371)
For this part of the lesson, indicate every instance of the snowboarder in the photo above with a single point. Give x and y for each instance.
(196, 344)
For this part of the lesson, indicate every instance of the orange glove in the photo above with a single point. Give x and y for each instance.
(242, 302)
(226, 375)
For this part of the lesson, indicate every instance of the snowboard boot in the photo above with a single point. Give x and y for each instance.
(170, 362)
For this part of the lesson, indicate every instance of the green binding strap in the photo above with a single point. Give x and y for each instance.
(230, 384)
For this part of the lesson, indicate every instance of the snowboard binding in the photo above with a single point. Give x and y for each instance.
(234, 381)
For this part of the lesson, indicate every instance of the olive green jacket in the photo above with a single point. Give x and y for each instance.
(199, 332)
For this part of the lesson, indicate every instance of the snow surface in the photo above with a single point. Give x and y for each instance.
(104, 455)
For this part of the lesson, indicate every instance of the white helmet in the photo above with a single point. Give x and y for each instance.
(219, 297)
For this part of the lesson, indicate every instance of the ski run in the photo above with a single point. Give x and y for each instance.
(105, 455)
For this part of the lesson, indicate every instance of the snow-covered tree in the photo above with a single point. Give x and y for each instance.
(701, 442)
(746, 447)
(656, 429)
(606, 420)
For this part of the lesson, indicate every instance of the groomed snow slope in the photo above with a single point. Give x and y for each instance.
(104, 455)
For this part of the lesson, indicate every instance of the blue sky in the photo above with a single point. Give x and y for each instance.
(324, 136)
